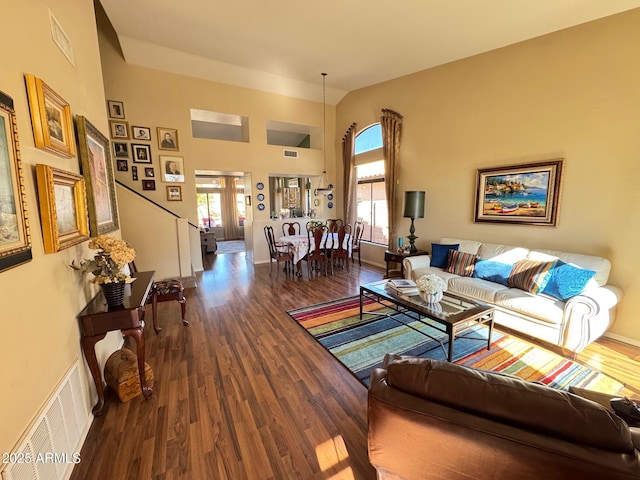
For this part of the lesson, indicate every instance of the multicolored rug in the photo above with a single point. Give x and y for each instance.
(361, 344)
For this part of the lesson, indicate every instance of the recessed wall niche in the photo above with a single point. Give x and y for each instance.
(219, 126)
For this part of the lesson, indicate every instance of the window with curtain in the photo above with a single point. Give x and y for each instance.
(221, 204)
(371, 197)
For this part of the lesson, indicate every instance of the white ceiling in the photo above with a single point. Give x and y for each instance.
(283, 46)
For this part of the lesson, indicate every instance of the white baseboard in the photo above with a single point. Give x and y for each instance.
(620, 338)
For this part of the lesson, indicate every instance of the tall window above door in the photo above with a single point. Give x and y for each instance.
(371, 197)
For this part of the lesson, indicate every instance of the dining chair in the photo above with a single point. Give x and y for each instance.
(334, 223)
(356, 238)
(317, 254)
(340, 248)
(291, 228)
(165, 291)
(278, 251)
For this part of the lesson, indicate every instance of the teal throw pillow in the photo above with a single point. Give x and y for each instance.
(493, 271)
(566, 281)
(440, 254)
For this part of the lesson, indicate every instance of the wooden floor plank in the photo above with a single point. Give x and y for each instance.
(243, 392)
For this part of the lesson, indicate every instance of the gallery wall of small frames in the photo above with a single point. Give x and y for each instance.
(132, 145)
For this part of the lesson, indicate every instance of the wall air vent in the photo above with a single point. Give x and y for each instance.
(290, 153)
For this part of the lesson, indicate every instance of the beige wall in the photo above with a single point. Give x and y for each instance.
(572, 94)
(158, 99)
(40, 300)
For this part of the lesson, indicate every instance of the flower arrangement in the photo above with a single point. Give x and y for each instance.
(106, 265)
(431, 284)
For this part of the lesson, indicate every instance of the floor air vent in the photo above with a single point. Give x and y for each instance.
(51, 447)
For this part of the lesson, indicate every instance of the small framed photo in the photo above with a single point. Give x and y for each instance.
(123, 165)
(50, 118)
(148, 184)
(167, 139)
(141, 153)
(116, 109)
(172, 168)
(134, 172)
(120, 150)
(174, 193)
(149, 172)
(141, 133)
(119, 129)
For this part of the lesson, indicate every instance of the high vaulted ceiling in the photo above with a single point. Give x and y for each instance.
(283, 46)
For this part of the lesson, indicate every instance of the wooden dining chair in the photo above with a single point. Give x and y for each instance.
(317, 254)
(340, 249)
(334, 224)
(278, 251)
(291, 228)
(164, 291)
(356, 238)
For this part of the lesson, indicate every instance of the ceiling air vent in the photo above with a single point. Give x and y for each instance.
(290, 153)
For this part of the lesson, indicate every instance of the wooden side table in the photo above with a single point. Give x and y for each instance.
(97, 319)
(395, 257)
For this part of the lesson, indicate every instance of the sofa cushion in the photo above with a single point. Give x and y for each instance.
(502, 253)
(510, 400)
(529, 275)
(440, 254)
(468, 246)
(600, 265)
(566, 281)
(461, 263)
(541, 307)
(482, 290)
(497, 272)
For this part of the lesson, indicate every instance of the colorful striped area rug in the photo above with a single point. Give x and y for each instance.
(361, 344)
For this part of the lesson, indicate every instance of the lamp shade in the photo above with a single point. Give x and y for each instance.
(414, 204)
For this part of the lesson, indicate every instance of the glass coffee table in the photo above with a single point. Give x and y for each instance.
(453, 315)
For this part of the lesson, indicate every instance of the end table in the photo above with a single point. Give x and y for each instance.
(395, 257)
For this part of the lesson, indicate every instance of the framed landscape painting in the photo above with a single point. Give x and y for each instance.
(15, 236)
(95, 159)
(525, 194)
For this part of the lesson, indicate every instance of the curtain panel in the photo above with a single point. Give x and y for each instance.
(391, 123)
(348, 165)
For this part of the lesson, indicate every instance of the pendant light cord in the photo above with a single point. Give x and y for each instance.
(324, 120)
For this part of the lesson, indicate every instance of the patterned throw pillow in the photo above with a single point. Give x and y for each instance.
(461, 263)
(530, 275)
(492, 271)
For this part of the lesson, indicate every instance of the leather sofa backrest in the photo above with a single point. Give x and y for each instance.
(510, 400)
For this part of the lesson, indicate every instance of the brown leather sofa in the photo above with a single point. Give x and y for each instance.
(436, 420)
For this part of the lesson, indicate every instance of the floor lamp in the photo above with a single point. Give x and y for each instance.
(413, 208)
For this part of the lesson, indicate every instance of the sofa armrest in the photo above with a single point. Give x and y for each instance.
(588, 315)
(412, 263)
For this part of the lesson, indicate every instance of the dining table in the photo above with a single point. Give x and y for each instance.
(303, 243)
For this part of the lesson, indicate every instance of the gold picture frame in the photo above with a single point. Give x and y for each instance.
(15, 234)
(63, 208)
(95, 160)
(174, 193)
(50, 118)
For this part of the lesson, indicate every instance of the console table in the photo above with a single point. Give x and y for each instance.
(96, 319)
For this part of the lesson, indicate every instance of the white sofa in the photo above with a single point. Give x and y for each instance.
(570, 324)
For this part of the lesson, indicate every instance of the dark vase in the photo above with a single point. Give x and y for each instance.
(113, 293)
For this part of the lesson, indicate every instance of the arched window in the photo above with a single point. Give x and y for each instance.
(371, 197)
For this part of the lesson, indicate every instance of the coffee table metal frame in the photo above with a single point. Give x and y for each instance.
(452, 324)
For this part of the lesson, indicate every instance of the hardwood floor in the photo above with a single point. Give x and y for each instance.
(245, 393)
